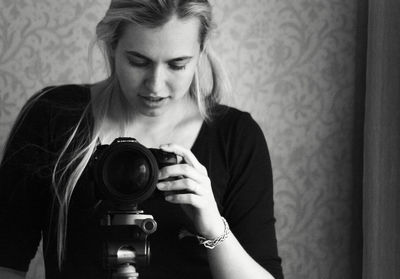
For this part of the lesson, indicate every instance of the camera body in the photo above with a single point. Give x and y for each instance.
(126, 172)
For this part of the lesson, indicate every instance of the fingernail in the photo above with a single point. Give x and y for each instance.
(164, 146)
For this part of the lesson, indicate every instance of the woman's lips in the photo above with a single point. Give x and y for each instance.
(152, 101)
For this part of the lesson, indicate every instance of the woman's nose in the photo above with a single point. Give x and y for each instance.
(155, 79)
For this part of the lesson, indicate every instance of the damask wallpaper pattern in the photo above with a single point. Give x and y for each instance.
(292, 65)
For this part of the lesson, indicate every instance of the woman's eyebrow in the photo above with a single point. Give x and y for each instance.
(178, 59)
(137, 54)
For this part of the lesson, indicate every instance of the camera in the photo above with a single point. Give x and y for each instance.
(126, 172)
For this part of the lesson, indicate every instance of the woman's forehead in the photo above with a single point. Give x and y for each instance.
(175, 38)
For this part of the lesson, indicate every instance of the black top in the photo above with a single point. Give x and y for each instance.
(232, 148)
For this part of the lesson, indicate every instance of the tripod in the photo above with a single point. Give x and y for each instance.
(126, 246)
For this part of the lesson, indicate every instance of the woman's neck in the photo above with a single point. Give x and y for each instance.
(180, 123)
(172, 116)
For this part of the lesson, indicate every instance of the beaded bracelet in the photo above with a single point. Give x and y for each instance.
(212, 243)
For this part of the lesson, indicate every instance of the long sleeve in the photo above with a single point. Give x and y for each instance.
(249, 204)
(24, 187)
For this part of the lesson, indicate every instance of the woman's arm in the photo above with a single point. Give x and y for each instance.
(194, 193)
(23, 189)
(230, 260)
(11, 273)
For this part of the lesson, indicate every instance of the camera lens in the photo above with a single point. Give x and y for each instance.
(128, 172)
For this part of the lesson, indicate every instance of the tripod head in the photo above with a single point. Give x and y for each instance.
(126, 174)
(125, 244)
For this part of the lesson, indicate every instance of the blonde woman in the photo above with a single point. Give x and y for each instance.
(163, 90)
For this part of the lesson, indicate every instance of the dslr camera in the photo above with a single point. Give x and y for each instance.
(126, 174)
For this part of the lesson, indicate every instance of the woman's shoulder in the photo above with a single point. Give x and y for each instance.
(228, 117)
(58, 97)
(223, 112)
(233, 125)
(66, 94)
(68, 101)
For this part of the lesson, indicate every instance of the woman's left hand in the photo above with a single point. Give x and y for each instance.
(192, 190)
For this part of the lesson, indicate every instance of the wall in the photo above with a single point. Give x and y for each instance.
(292, 65)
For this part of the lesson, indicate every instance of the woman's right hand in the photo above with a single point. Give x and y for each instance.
(193, 191)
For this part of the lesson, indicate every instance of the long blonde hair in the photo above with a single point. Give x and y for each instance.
(208, 86)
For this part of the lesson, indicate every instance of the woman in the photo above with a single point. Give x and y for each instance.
(157, 92)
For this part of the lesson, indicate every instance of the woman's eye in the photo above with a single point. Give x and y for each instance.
(177, 67)
(138, 62)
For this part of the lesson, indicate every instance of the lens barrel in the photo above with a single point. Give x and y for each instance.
(125, 172)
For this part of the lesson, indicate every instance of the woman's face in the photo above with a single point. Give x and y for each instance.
(155, 66)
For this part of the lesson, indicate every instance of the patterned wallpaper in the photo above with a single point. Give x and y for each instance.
(292, 64)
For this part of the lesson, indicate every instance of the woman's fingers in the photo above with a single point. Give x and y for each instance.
(186, 154)
(180, 170)
(183, 185)
(185, 198)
